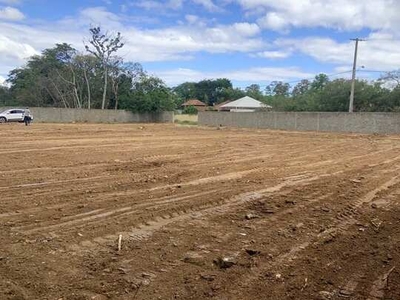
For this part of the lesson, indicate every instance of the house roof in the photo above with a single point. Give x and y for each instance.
(245, 102)
(221, 104)
(194, 102)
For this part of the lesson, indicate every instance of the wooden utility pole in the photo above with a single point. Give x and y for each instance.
(353, 78)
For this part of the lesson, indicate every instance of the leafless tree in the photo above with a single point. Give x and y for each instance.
(104, 45)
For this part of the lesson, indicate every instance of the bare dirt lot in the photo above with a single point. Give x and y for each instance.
(203, 213)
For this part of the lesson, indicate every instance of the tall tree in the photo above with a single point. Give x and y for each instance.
(123, 74)
(301, 88)
(254, 91)
(277, 88)
(47, 79)
(5, 96)
(209, 91)
(185, 91)
(319, 82)
(148, 94)
(229, 94)
(391, 79)
(104, 45)
(87, 66)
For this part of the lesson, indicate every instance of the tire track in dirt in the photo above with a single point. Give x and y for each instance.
(52, 207)
(294, 251)
(63, 273)
(242, 156)
(347, 216)
(222, 177)
(131, 146)
(377, 290)
(91, 166)
(348, 288)
(321, 163)
(119, 163)
(220, 207)
(56, 182)
(62, 189)
(378, 287)
(62, 148)
(228, 176)
(103, 213)
(349, 212)
(153, 158)
(146, 230)
(339, 225)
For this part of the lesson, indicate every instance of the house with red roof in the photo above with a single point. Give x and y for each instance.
(200, 106)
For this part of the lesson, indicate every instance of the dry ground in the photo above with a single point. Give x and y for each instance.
(203, 213)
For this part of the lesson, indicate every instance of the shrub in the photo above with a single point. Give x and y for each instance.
(190, 110)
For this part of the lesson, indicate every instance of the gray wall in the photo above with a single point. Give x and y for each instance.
(308, 121)
(68, 115)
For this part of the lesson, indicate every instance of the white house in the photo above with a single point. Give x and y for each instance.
(245, 104)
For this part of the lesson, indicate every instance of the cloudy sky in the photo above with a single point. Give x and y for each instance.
(248, 41)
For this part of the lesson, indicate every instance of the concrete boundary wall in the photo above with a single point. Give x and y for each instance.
(69, 115)
(384, 123)
(188, 118)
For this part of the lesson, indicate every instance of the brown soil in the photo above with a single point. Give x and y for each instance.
(203, 213)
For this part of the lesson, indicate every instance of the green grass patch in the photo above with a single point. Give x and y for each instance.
(185, 122)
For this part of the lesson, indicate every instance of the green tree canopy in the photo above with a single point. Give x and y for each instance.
(254, 91)
(148, 94)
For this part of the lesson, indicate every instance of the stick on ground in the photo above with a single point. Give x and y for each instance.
(119, 242)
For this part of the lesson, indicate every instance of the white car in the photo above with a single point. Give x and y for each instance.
(12, 115)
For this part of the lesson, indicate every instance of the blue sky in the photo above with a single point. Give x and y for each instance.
(247, 41)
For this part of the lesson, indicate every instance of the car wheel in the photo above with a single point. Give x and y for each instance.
(3, 120)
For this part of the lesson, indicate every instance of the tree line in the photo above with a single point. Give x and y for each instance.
(319, 94)
(98, 78)
(62, 76)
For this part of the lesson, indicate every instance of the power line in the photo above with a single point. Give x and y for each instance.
(371, 71)
(311, 78)
(384, 39)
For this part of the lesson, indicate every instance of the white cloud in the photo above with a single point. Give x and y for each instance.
(208, 4)
(338, 14)
(321, 48)
(91, 16)
(175, 4)
(274, 54)
(12, 49)
(18, 41)
(10, 2)
(156, 5)
(197, 21)
(192, 19)
(274, 21)
(180, 42)
(377, 53)
(177, 76)
(268, 74)
(11, 14)
(2, 80)
(246, 29)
